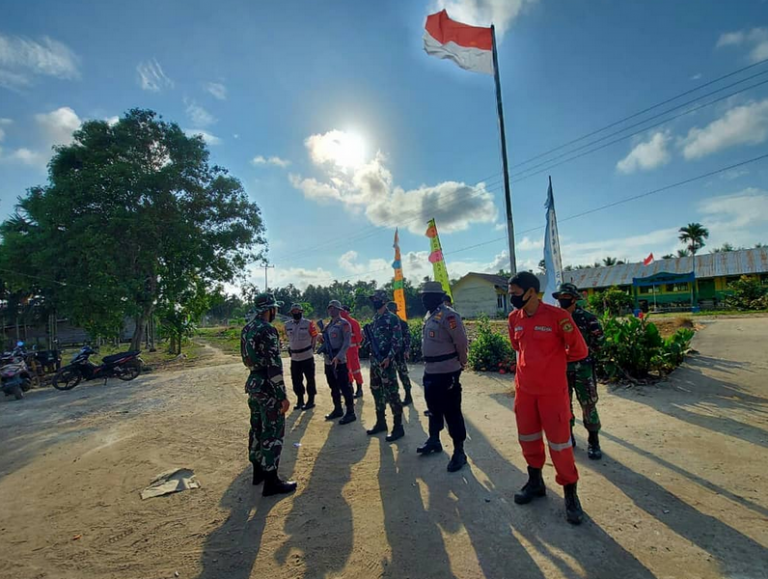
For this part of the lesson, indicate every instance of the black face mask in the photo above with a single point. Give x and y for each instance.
(565, 303)
(377, 304)
(519, 301)
(297, 317)
(432, 301)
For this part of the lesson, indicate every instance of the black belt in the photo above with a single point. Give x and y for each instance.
(307, 349)
(442, 357)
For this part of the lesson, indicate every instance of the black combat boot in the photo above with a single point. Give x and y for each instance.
(258, 475)
(433, 444)
(349, 416)
(573, 512)
(397, 430)
(534, 488)
(310, 403)
(337, 413)
(299, 403)
(359, 393)
(380, 426)
(593, 447)
(408, 400)
(273, 485)
(459, 459)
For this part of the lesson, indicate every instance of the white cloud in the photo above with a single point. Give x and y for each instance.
(22, 58)
(4, 122)
(277, 161)
(646, 155)
(755, 40)
(25, 157)
(57, 126)
(151, 76)
(697, 76)
(633, 248)
(112, 121)
(217, 89)
(484, 12)
(298, 276)
(348, 262)
(199, 116)
(739, 218)
(211, 140)
(527, 244)
(365, 187)
(742, 125)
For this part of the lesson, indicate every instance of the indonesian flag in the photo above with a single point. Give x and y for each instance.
(648, 260)
(471, 47)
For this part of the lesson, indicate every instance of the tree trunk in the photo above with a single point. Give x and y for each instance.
(138, 331)
(151, 334)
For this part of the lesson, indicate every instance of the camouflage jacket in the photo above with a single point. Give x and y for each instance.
(388, 335)
(591, 330)
(406, 331)
(260, 347)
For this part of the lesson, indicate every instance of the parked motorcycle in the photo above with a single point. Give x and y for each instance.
(15, 378)
(125, 366)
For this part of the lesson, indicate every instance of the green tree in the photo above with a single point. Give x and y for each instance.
(610, 261)
(724, 248)
(693, 236)
(682, 253)
(132, 217)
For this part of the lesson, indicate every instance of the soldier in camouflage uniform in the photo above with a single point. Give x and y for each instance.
(385, 339)
(401, 361)
(581, 374)
(260, 350)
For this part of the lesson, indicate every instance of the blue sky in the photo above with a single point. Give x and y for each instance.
(341, 127)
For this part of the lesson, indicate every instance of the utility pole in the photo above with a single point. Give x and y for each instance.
(267, 267)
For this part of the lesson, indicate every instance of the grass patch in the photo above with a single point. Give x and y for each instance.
(226, 339)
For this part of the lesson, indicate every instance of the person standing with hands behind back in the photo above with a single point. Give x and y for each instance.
(267, 400)
(545, 339)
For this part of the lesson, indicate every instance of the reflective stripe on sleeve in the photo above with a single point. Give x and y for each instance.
(560, 445)
(529, 437)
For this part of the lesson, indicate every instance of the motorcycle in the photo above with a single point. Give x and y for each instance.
(15, 378)
(125, 366)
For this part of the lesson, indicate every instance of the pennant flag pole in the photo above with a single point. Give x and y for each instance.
(436, 258)
(473, 48)
(399, 282)
(552, 260)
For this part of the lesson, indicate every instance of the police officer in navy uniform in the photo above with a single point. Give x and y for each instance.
(338, 334)
(444, 348)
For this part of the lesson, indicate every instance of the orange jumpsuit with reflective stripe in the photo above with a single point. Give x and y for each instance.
(353, 354)
(545, 342)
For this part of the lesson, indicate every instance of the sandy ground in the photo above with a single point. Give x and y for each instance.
(681, 492)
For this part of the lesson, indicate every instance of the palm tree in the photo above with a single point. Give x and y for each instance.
(759, 245)
(543, 266)
(682, 253)
(725, 248)
(668, 256)
(609, 261)
(693, 236)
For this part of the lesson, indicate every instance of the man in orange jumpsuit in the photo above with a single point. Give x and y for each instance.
(545, 339)
(353, 354)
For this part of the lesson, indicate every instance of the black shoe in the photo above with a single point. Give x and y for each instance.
(380, 426)
(573, 511)
(273, 485)
(593, 447)
(310, 404)
(299, 404)
(408, 400)
(348, 417)
(359, 393)
(337, 413)
(433, 444)
(427, 413)
(397, 430)
(258, 475)
(533, 489)
(458, 460)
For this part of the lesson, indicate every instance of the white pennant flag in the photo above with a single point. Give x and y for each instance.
(552, 261)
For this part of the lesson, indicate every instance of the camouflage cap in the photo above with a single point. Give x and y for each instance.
(392, 306)
(297, 306)
(567, 289)
(335, 304)
(379, 295)
(432, 287)
(265, 301)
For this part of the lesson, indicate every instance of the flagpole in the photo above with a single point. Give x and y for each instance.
(507, 193)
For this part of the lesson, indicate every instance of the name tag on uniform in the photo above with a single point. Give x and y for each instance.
(542, 328)
(518, 328)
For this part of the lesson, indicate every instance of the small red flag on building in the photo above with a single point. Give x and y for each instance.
(648, 260)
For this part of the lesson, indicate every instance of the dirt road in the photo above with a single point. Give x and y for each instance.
(682, 491)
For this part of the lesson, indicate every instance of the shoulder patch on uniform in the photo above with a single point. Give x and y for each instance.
(438, 316)
(452, 322)
(566, 325)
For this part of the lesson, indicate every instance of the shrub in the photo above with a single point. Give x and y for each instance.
(490, 350)
(416, 327)
(673, 350)
(613, 301)
(748, 294)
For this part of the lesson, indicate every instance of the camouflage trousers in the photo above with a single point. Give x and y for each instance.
(265, 439)
(581, 380)
(401, 366)
(384, 388)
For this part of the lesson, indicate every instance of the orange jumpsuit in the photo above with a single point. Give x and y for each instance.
(353, 354)
(545, 342)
